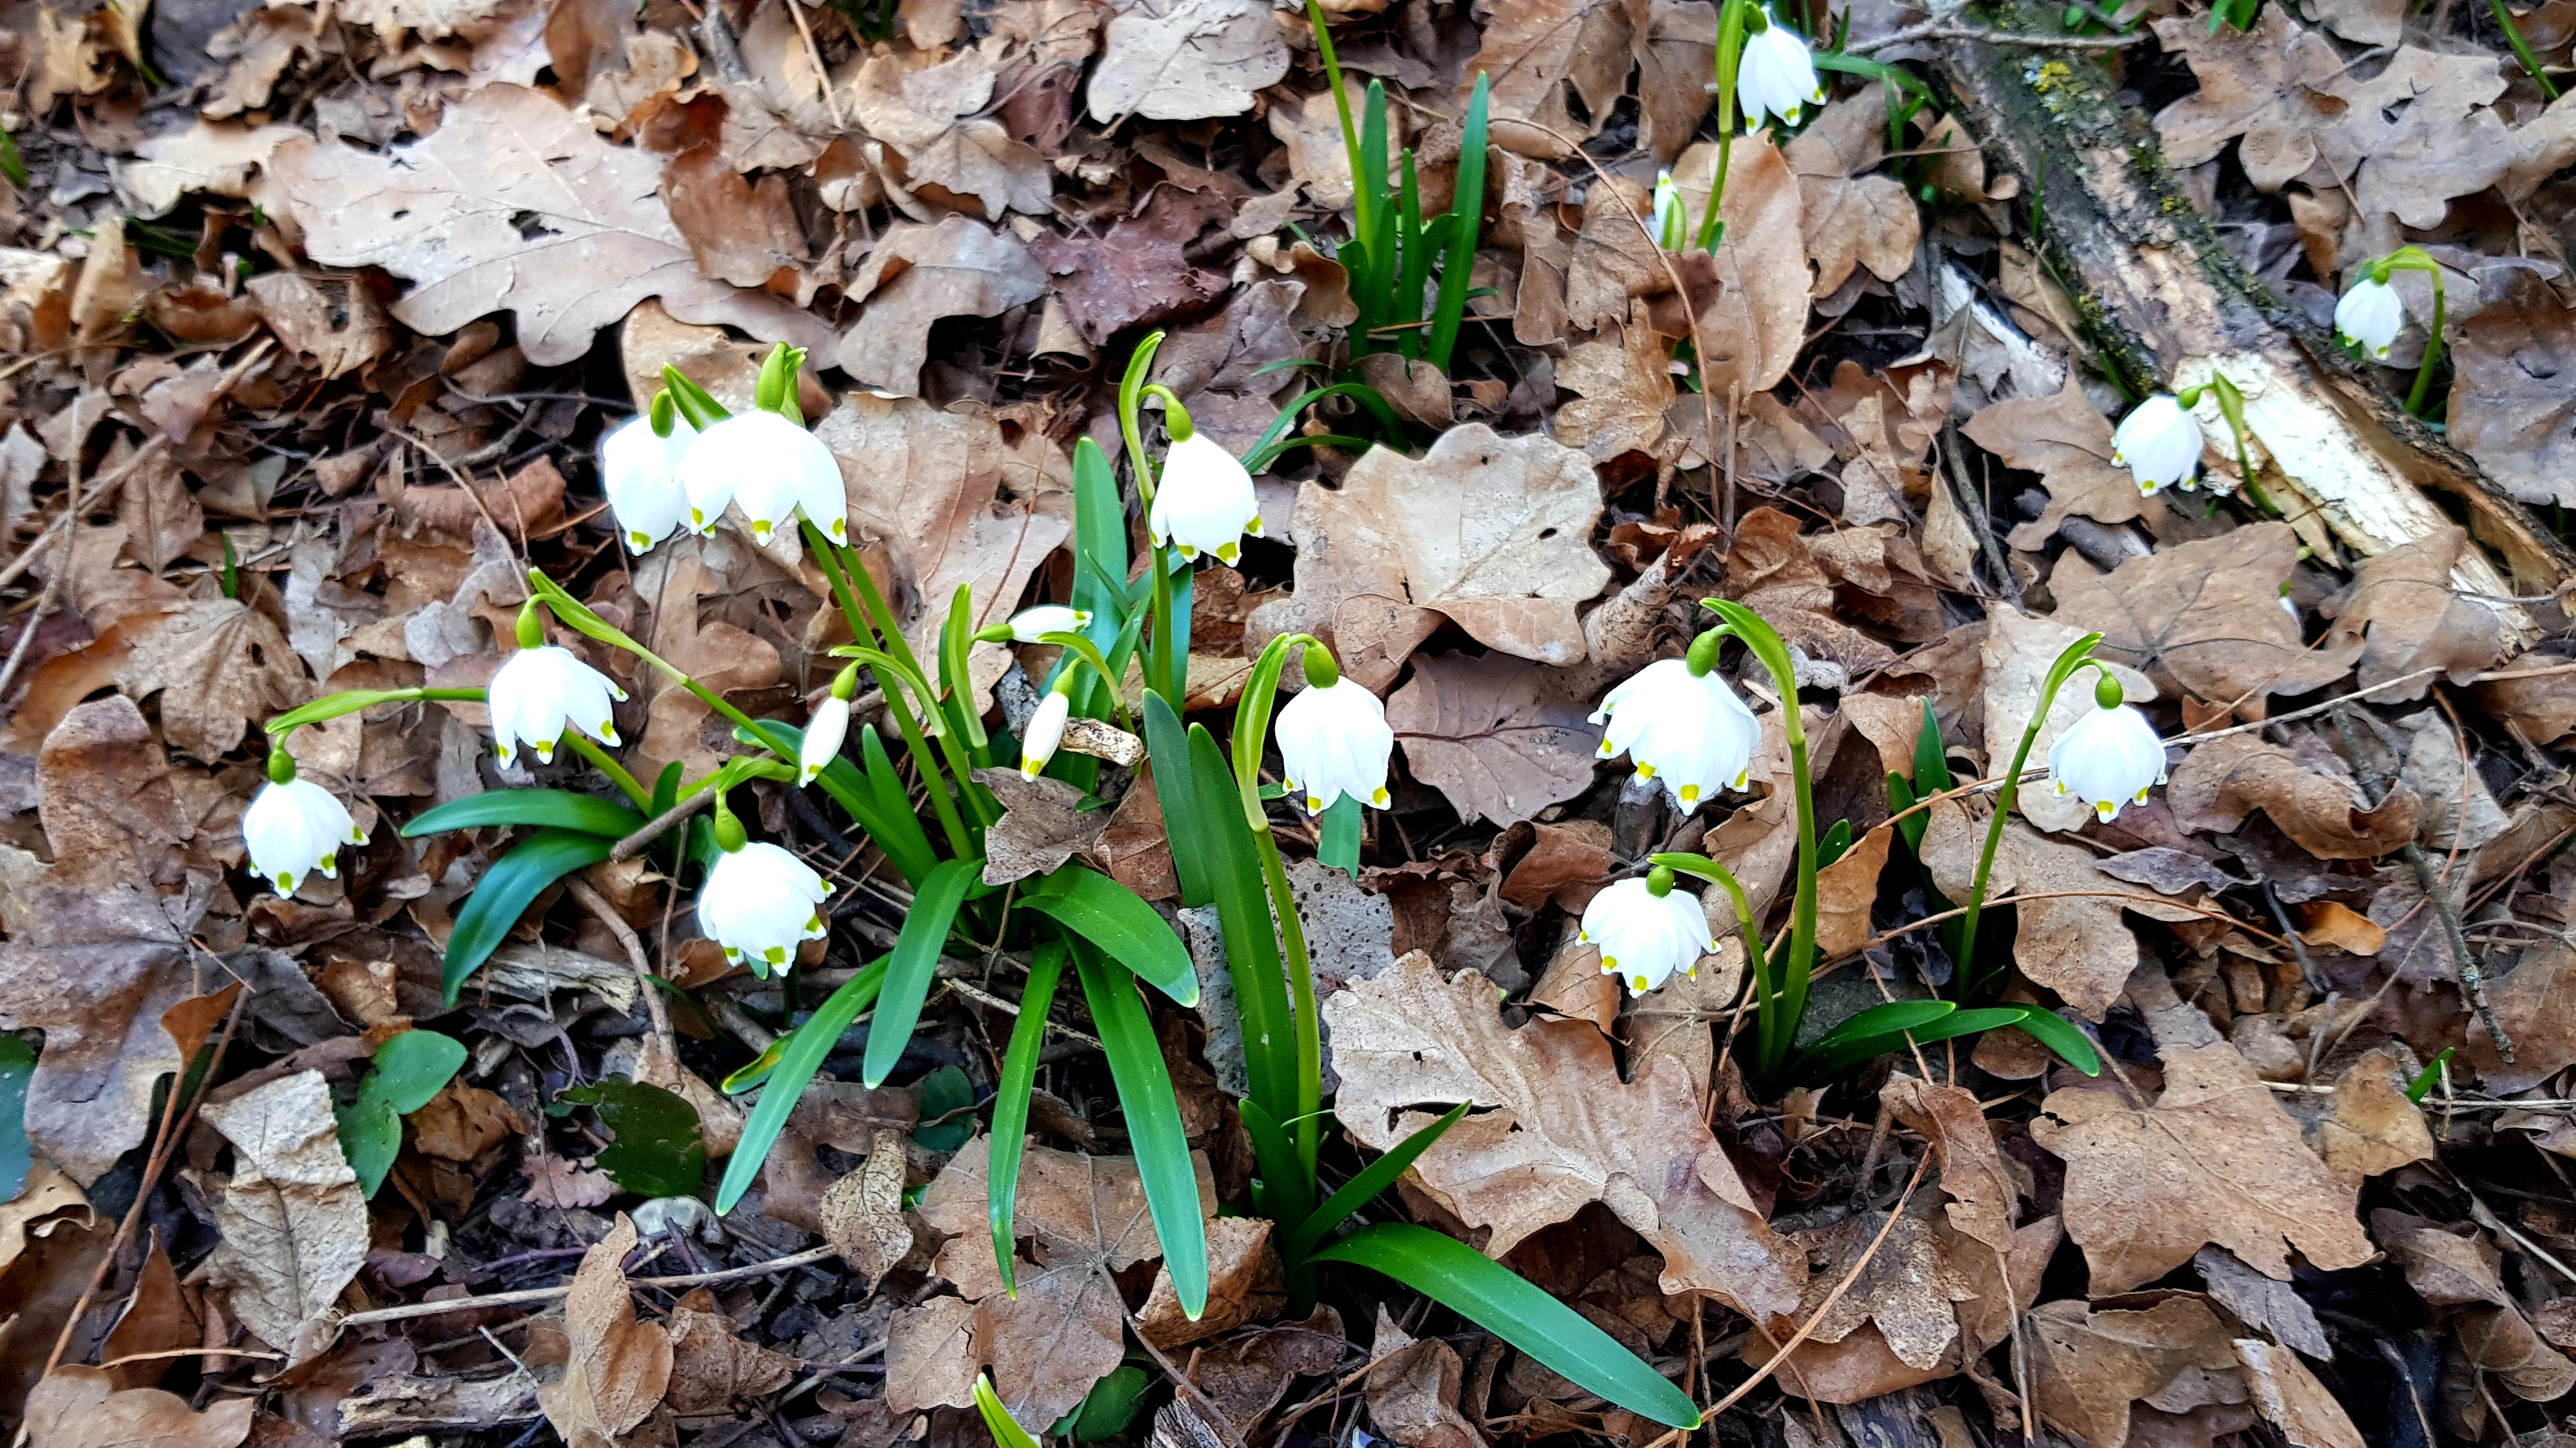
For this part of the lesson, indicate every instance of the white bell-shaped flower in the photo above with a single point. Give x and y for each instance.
(639, 468)
(539, 692)
(1334, 741)
(2108, 758)
(2370, 316)
(1776, 76)
(770, 467)
(2159, 443)
(1205, 503)
(1031, 624)
(761, 902)
(1645, 936)
(1045, 732)
(1687, 729)
(823, 736)
(294, 828)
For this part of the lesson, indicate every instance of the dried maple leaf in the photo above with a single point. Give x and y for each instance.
(2089, 1367)
(81, 1407)
(515, 204)
(2215, 1159)
(1493, 532)
(1499, 737)
(930, 1356)
(2067, 441)
(2268, 85)
(216, 665)
(618, 1368)
(2207, 615)
(2513, 407)
(2222, 781)
(1185, 60)
(1564, 1131)
(293, 1221)
(1850, 216)
(933, 115)
(917, 274)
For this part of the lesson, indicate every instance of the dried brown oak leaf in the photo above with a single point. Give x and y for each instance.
(1983, 1200)
(2215, 1159)
(2067, 441)
(2205, 615)
(1622, 383)
(1186, 60)
(2091, 1366)
(934, 116)
(95, 957)
(1752, 323)
(1851, 216)
(1500, 738)
(1412, 1389)
(1138, 271)
(2373, 1129)
(930, 1356)
(916, 275)
(1534, 50)
(862, 1214)
(293, 1221)
(618, 1368)
(2536, 1005)
(712, 1367)
(81, 1407)
(2292, 1400)
(2458, 1269)
(1064, 1332)
(2401, 609)
(2514, 405)
(515, 204)
(2073, 942)
(2222, 781)
(1493, 532)
(216, 665)
(1561, 1130)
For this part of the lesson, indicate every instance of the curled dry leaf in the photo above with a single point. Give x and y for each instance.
(2222, 781)
(617, 1368)
(2458, 1270)
(1041, 827)
(2292, 1400)
(2215, 1159)
(1499, 738)
(1533, 50)
(2373, 1129)
(1757, 321)
(917, 274)
(1412, 1388)
(293, 1221)
(2206, 615)
(2536, 1005)
(515, 204)
(1565, 1131)
(934, 115)
(1184, 60)
(862, 1214)
(2090, 1367)
(2513, 407)
(712, 1368)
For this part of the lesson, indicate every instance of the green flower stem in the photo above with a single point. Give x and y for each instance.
(1796, 970)
(579, 617)
(589, 749)
(2231, 405)
(350, 701)
(2521, 47)
(1730, 59)
(1767, 1009)
(1251, 732)
(1164, 674)
(933, 783)
(1089, 653)
(2077, 654)
(2433, 340)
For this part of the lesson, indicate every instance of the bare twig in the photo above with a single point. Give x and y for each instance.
(1808, 1328)
(661, 824)
(1946, 30)
(606, 914)
(807, 1258)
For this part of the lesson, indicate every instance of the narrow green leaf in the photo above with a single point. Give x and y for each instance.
(1112, 917)
(1363, 1188)
(1006, 1430)
(560, 808)
(799, 1055)
(2425, 1080)
(1931, 758)
(1887, 1019)
(915, 960)
(1176, 790)
(17, 1068)
(1900, 798)
(1011, 1101)
(1153, 1115)
(1457, 273)
(1490, 1295)
(506, 889)
(2070, 1044)
(1339, 844)
(1224, 841)
(1291, 1190)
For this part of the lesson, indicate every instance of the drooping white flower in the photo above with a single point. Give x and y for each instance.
(1688, 729)
(640, 470)
(1776, 76)
(823, 735)
(2370, 316)
(761, 901)
(2159, 443)
(2108, 758)
(1645, 937)
(538, 692)
(1032, 624)
(1045, 732)
(295, 828)
(1334, 741)
(1205, 503)
(771, 467)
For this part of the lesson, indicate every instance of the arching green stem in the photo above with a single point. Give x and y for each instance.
(589, 749)
(2231, 405)
(1795, 970)
(1251, 731)
(1730, 60)
(934, 784)
(1767, 1021)
(2077, 654)
(1164, 674)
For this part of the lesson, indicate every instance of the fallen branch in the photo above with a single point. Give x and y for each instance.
(525, 1297)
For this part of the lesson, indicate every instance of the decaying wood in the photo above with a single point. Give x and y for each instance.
(2170, 306)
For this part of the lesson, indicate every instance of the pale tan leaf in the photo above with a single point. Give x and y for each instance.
(930, 1359)
(2091, 1367)
(917, 274)
(1753, 329)
(934, 116)
(1184, 60)
(2206, 615)
(862, 1214)
(2373, 1129)
(293, 1221)
(712, 1367)
(618, 1368)
(217, 665)
(1500, 738)
(2219, 783)
(80, 1407)
(2067, 441)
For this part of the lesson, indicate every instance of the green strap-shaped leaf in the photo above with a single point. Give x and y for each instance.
(1457, 273)
(1363, 1188)
(1006, 1430)
(1011, 1102)
(1111, 916)
(1176, 789)
(503, 893)
(2070, 1044)
(17, 1068)
(1490, 1295)
(799, 1055)
(1252, 960)
(914, 961)
(559, 808)
(1288, 1192)
(1153, 1115)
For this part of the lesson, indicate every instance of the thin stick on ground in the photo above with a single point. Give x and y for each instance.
(807, 1258)
(606, 914)
(1807, 1329)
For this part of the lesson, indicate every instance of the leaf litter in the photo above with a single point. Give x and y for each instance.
(315, 317)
